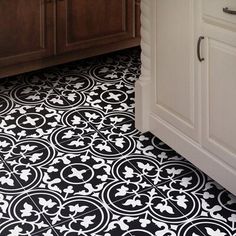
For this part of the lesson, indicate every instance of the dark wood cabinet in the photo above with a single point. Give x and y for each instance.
(25, 30)
(39, 33)
(137, 18)
(87, 23)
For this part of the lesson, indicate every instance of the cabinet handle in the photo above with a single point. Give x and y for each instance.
(199, 49)
(228, 11)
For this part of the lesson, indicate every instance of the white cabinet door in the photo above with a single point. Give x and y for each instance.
(176, 69)
(192, 105)
(219, 94)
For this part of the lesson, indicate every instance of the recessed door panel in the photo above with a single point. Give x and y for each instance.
(219, 114)
(176, 68)
(87, 23)
(25, 30)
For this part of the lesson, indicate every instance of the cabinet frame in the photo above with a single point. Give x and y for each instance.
(50, 56)
(146, 119)
(47, 39)
(224, 41)
(63, 44)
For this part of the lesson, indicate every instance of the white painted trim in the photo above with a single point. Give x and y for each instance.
(142, 86)
(192, 151)
(147, 120)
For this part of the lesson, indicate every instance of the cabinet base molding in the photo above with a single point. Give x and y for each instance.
(142, 100)
(67, 57)
(215, 168)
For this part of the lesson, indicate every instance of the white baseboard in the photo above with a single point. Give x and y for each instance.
(142, 107)
(192, 151)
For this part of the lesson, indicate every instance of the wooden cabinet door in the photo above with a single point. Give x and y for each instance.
(26, 30)
(219, 93)
(137, 18)
(176, 68)
(85, 24)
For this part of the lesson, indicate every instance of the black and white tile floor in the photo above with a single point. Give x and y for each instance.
(72, 162)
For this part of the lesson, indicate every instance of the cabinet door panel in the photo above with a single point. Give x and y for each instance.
(25, 30)
(213, 12)
(176, 66)
(87, 23)
(137, 18)
(219, 86)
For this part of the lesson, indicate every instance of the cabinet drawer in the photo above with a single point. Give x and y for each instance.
(213, 12)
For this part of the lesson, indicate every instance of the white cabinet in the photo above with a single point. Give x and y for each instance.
(212, 11)
(191, 105)
(175, 88)
(219, 92)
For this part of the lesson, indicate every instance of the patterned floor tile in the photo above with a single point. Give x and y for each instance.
(122, 122)
(209, 206)
(23, 148)
(78, 164)
(18, 213)
(47, 232)
(150, 158)
(23, 218)
(31, 93)
(73, 163)
(75, 175)
(8, 84)
(59, 210)
(111, 97)
(124, 67)
(9, 184)
(30, 121)
(70, 90)
(6, 104)
(40, 77)
(148, 144)
(143, 212)
(99, 146)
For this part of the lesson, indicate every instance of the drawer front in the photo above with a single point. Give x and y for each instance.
(213, 12)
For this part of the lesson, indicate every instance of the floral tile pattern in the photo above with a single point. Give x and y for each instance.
(72, 162)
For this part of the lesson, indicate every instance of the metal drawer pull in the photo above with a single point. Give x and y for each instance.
(199, 49)
(228, 11)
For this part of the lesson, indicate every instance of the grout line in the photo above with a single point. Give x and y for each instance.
(41, 149)
(108, 205)
(155, 186)
(23, 96)
(54, 89)
(26, 192)
(113, 147)
(120, 199)
(103, 207)
(51, 90)
(69, 220)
